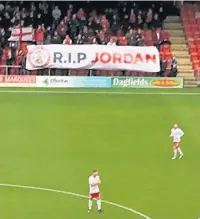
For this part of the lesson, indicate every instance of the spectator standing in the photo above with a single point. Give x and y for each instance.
(130, 33)
(93, 14)
(85, 35)
(173, 64)
(122, 41)
(139, 38)
(47, 17)
(48, 40)
(56, 38)
(111, 42)
(48, 31)
(74, 26)
(2, 36)
(43, 6)
(157, 36)
(161, 14)
(80, 14)
(114, 25)
(6, 20)
(82, 23)
(94, 40)
(90, 32)
(38, 20)
(33, 7)
(132, 19)
(9, 60)
(125, 24)
(95, 25)
(163, 68)
(156, 23)
(1, 22)
(101, 39)
(1, 7)
(149, 17)
(21, 60)
(62, 29)
(39, 35)
(104, 22)
(30, 20)
(79, 39)
(56, 14)
(141, 41)
(67, 40)
(131, 41)
(1, 52)
(140, 21)
(66, 20)
(16, 19)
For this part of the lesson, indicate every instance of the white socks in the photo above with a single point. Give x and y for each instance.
(175, 152)
(90, 204)
(98, 204)
(180, 152)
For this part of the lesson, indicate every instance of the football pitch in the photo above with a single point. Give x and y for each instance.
(52, 139)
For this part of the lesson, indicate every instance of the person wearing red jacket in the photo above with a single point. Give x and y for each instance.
(39, 35)
(62, 29)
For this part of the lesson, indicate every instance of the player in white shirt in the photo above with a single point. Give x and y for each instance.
(94, 181)
(176, 134)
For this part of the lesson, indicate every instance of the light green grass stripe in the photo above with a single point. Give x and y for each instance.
(99, 92)
(75, 194)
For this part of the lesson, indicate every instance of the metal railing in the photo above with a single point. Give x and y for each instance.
(5, 69)
(21, 70)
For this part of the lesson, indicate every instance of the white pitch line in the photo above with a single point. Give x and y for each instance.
(99, 92)
(77, 195)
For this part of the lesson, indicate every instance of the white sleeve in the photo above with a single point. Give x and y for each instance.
(171, 133)
(90, 180)
(182, 133)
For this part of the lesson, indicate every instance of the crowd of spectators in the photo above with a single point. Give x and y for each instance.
(108, 23)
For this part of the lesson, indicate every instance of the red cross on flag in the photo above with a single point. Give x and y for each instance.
(22, 34)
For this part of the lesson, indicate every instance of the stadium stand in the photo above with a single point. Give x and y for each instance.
(190, 20)
(121, 23)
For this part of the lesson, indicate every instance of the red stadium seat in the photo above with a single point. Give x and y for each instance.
(166, 35)
(194, 56)
(195, 64)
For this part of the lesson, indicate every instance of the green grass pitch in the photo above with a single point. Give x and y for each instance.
(55, 140)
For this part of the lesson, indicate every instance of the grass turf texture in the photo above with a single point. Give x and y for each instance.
(55, 140)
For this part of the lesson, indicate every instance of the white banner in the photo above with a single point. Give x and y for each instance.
(133, 58)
